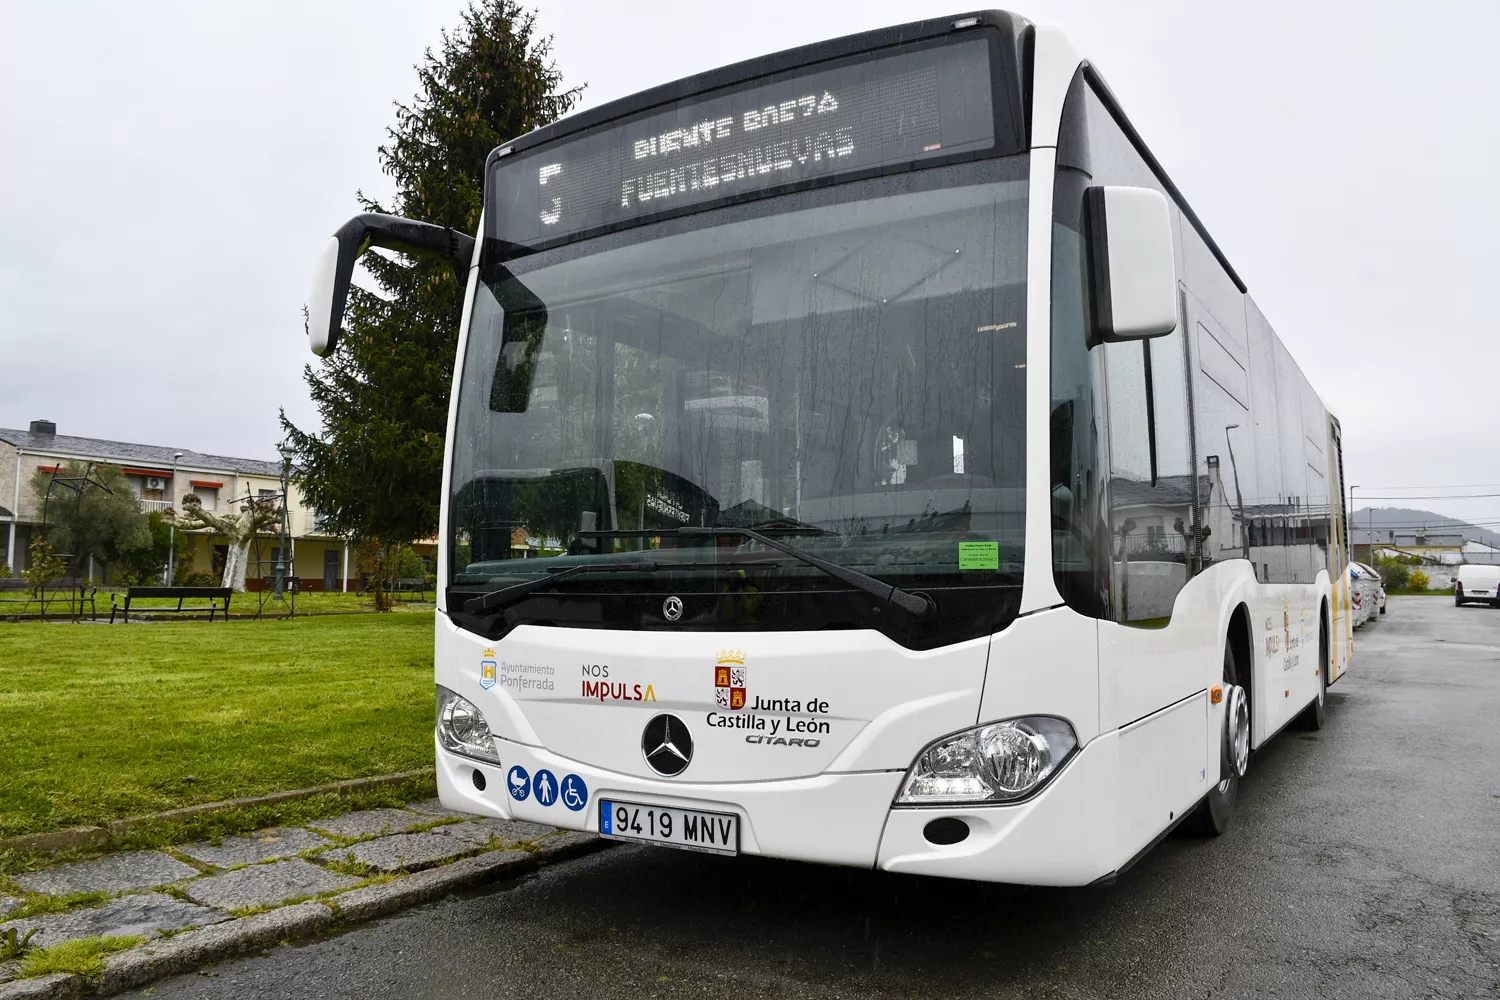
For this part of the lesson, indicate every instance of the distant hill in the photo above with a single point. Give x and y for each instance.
(1406, 519)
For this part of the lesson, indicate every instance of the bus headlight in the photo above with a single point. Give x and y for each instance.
(997, 762)
(461, 727)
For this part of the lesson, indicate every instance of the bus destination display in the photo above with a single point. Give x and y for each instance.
(874, 113)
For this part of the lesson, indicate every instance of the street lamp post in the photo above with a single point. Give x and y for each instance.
(279, 571)
(172, 526)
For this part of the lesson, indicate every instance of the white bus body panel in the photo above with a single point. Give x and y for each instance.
(877, 703)
(829, 818)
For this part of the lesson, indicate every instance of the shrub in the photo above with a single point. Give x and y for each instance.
(181, 571)
(1394, 573)
(200, 579)
(409, 565)
(1418, 580)
(45, 567)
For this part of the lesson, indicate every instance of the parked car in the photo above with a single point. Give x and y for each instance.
(1359, 609)
(1477, 585)
(1366, 593)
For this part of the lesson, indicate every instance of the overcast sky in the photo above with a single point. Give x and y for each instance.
(170, 170)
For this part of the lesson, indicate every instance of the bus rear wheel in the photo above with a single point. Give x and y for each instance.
(1212, 816)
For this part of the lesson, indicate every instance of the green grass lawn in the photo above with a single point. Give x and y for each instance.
(101, 723)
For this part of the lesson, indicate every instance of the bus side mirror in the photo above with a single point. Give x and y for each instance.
(1131, 266)
(335, 267)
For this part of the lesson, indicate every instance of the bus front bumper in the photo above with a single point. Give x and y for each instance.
(1058, 837)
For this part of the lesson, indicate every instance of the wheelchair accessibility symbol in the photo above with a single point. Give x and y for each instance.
(575, 794)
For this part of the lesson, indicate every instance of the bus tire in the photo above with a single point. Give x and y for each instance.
(1211, 817)
(1313, 715)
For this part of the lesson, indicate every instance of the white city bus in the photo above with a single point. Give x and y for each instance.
(864, 455)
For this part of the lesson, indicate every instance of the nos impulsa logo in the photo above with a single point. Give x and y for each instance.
(596, 684)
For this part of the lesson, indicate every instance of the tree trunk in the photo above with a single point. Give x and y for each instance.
(234, 565)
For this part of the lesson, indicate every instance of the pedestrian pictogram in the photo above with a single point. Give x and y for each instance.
(545, 787)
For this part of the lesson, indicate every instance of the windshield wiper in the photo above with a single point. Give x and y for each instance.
(917, 605)
(495, 598)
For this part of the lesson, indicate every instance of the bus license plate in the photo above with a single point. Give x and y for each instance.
(689, 829)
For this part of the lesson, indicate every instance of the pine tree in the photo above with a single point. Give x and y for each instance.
(375, 472)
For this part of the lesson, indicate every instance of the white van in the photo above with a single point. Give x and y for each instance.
(1477, 585)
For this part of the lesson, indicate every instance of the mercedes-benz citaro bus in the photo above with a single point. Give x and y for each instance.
(863, 454)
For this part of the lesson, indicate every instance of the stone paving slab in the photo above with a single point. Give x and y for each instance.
(370, 823)
(142, 913)
(266, 885)
(260, 846)
(7, 903)
(115, 873)
(483, 830)
(435, 809)
(404, 851)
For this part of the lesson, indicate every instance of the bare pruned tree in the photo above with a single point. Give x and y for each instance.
(255, 515)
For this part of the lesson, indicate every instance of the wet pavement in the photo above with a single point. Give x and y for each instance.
(1364, 861)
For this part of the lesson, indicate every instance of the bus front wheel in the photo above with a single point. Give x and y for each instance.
(1212, 816)
(1313, 715)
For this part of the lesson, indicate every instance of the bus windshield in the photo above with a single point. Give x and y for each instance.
(845, 373)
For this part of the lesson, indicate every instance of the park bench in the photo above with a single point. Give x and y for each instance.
(213, 595)
(413, 588)
(71, 591)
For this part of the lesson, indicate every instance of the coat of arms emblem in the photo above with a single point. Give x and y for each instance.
(487, 669)
(729, 680)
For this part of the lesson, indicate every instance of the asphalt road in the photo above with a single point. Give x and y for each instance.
(1364, 861)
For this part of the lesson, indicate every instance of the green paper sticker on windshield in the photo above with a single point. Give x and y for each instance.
(978, 555)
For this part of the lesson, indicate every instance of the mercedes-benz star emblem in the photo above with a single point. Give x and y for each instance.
(667, 745)
(671, 608)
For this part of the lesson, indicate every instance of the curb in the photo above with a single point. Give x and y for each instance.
(57, 986)
(216, 943)
(83, 837)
